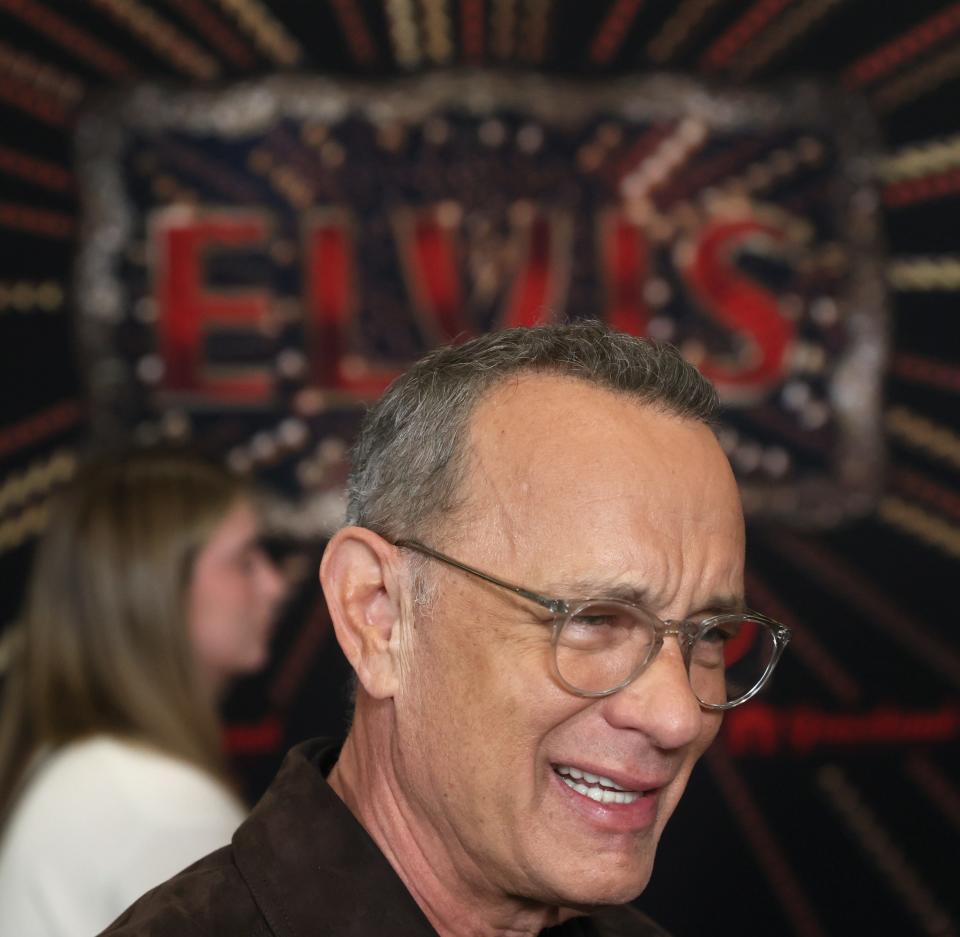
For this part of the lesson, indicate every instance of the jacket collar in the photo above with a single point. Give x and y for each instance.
(311, 866)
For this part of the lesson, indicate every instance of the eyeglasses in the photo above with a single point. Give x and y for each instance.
(601, 645)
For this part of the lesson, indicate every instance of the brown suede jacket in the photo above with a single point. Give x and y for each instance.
(302, 866)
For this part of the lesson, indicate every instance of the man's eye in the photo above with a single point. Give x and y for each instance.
(716, 636)
(593, 619)
(601, 616)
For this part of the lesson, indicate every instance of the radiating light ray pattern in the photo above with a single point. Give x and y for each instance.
(901, 877)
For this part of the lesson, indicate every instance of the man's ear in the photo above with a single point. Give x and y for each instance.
(362, 586)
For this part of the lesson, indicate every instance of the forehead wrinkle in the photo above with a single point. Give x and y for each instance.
(521, 500)
(487, 516)
(498, 481)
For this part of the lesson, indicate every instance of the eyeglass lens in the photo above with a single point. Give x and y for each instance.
(602, 644)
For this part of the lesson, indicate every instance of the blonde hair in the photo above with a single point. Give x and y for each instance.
(105, 647)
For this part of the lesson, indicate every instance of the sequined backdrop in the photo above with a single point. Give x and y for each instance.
(279, 251)
(247, 263)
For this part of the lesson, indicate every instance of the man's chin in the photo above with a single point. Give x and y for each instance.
(596, 889)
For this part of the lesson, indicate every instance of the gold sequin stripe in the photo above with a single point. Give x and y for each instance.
(283, 177)
(937, 787)
(678, 29)
(804, 644)
(917, 160)
(879, 846)
(437, 31)
(23, 296)
(194, 164)
(924, 274)
(216, 32)
(860, 592)
(763, 174)
(536, 30)
(24, 526)
(266, 30)
(40, 76)
(918, 432)
(655, 169)
(10, 637)
(168, 42)
(36, 481)
(922, 80)
(780, 36)
(771, 856)
(503, 28)
(404, 35)
(919, 523)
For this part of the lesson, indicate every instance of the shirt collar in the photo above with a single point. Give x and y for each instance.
(312, 867)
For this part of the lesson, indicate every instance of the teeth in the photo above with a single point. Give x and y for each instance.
(577, 774)
(608, 793)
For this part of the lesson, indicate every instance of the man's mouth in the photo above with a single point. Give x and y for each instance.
(595, 786)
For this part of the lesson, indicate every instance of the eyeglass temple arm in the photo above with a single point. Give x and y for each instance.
(556, 606)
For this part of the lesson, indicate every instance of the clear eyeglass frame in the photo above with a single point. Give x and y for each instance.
(687, 632)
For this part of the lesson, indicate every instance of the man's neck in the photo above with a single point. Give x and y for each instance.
(455, 895)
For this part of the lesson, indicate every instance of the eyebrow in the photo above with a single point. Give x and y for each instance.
(635, 595)
(598, 589)
(722, 604)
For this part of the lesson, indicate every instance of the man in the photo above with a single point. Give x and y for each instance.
(543, 565)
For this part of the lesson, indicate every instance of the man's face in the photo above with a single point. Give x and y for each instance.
(573, 492)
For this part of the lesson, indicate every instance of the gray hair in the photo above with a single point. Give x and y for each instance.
(409, 460)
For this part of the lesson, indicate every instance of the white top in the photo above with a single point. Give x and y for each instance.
(100, 822)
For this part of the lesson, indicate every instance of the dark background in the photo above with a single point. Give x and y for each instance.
(839, 828)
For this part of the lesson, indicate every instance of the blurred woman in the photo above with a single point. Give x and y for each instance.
(149, 593)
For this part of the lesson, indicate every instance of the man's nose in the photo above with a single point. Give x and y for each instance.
(660, 703)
